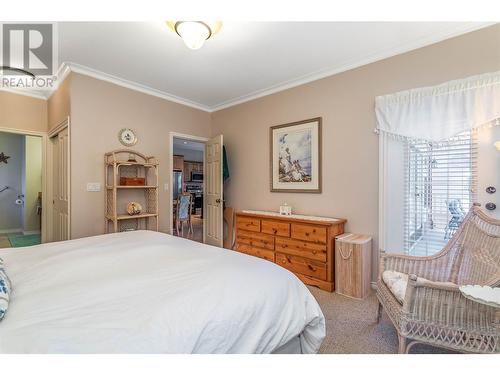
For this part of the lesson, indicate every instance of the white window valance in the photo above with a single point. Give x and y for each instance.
(440, 112)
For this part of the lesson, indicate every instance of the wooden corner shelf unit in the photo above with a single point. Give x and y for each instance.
(301, 244)
(127, 163)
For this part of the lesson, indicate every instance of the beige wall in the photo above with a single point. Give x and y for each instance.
(350, 148)
(22, 112)
(58, 105)
(98, 111)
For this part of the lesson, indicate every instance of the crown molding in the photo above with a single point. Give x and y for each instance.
(407, 47)
(84, 70)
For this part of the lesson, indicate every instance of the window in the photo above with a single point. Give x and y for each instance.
(439, 189)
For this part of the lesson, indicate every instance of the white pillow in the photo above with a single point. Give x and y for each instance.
(396, 282)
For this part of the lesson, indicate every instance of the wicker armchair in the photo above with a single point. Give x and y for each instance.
(434, 311)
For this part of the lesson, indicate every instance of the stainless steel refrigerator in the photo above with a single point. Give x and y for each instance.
(177, 184)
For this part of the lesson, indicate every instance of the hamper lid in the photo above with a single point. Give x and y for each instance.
(353, 238)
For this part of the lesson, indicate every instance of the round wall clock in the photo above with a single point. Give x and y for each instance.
(127, 137)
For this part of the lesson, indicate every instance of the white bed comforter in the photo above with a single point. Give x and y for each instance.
(148, 292)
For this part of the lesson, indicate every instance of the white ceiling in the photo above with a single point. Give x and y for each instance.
(184, 144)
(243, 61)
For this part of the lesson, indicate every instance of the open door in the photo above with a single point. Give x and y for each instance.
(213, 192)
(60, 188)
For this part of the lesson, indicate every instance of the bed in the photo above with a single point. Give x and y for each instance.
(149, 292)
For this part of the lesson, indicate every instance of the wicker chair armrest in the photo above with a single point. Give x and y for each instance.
(442, 303)
(402, 263)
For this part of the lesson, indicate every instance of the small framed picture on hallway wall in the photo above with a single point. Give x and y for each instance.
(295, 151)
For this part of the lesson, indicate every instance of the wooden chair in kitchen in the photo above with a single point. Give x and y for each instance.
(183, 213)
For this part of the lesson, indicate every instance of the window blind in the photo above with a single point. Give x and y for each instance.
(440, 187)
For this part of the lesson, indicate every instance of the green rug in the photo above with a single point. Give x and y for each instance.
(19, 240)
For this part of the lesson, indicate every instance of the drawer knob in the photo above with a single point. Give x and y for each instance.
(311, 268)
(307, 233)
(275, 230)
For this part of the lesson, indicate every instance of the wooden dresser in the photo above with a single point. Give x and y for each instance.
(301, 244)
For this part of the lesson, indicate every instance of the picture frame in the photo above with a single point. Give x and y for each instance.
(295, 156)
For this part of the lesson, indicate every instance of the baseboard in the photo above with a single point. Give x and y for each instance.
(27, 232)
(13, 230)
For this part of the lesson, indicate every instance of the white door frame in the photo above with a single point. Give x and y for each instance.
(187, 137)
(45, 179)
(51, 134)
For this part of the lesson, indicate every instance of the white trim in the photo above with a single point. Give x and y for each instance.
(13, 230)
(81, 69)
(45, 186)
(189, 137)
(382, 192)
(62, 73)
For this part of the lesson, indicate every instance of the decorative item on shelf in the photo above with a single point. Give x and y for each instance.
(131, 158)
(285, 209)
(132, 181)
(490, 206)
(134, 208)
(296, 157)
(127, 137)
(3, 158)
(491, 190)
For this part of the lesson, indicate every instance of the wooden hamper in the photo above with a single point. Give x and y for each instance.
(353, 265)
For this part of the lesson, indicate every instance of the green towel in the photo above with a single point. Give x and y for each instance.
(225, 168)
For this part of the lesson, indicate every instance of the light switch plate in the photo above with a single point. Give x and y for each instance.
(93, 186)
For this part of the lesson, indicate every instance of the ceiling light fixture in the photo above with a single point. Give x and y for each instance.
(195, 33)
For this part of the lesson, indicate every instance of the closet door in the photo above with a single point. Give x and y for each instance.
(60, 186)
(213, 212)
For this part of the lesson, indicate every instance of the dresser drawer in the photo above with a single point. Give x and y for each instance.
(304, 249)
(302, 265)
(248, 223)
(256, 252)
(311, 233)
(262, 240)
(275, 227)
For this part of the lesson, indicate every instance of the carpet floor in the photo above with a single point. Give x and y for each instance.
(351, 327)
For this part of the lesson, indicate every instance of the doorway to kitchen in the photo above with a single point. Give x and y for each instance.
(187, 186)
